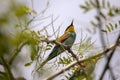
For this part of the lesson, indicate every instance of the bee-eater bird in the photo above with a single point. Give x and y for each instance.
(67, 38)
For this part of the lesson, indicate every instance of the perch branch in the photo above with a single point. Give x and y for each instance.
(81, 60)
(77, 61)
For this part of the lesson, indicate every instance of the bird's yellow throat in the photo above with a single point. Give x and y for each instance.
(70, 29)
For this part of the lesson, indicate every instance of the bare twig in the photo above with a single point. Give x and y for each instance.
(58, 30)
(53, 28)
(46, 25)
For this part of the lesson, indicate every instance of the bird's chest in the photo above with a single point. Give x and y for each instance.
(70, 40)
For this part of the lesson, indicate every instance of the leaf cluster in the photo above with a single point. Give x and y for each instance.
(107, 10)
(15, 34)
(65, 60)
(111, 27)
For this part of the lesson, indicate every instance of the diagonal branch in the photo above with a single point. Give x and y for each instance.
(109, 59)
(15, 53)
(80, 61)
(7, 68)
(103, 42)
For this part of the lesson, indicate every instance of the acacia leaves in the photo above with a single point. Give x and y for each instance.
(111, 27)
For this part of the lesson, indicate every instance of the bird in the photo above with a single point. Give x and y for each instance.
(67, 39)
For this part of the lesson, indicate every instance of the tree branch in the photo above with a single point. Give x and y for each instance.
(109, 59)
(7, 68)
(103, 42)
(15, 53)
(80, 61)
(1, 72)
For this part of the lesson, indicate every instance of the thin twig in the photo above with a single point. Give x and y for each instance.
(47, 24)
(53, 28)
(58, 30)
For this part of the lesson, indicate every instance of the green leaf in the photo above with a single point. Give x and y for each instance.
(92, 3)
(111, 26)
(69, 74)
(66, 77)
(116, 26)
(87, 4)
(28, 64)
(50, 45)
(20, 11)
(60, 61)
(108, 28)
(116, 10)
(82, 6)
(86, 9)
(3, 20)
(103, 30)
(29, 10)
(110, 13)
(102, 15)
(97, 18)
(93, 23)
(34, 51)
(48, 48)
(119, 22)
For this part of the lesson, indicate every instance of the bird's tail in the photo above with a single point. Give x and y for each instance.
(42, 64)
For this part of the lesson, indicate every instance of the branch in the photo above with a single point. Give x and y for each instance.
(15, 53)
(109, 59)
(7, 68)
(103, 42)
(2, 73)
(81, 60)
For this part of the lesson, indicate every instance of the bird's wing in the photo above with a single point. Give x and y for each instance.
(63, 37)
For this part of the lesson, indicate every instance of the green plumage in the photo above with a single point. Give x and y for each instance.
(59, 49)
